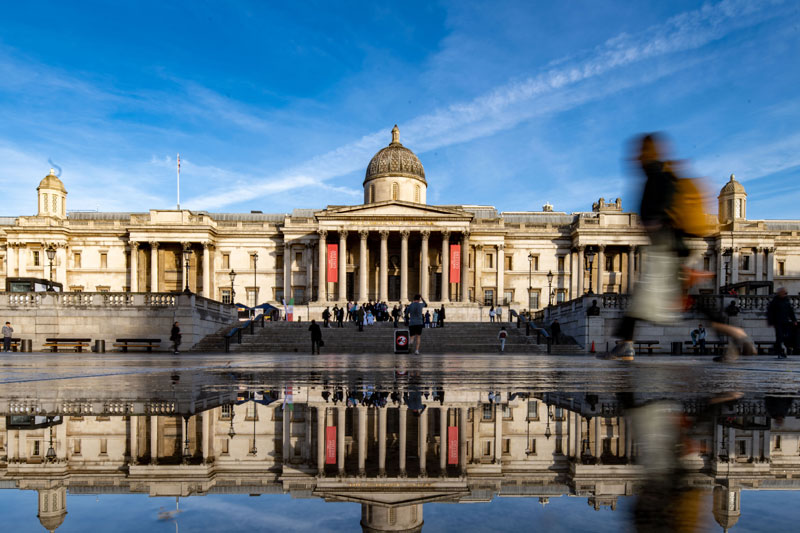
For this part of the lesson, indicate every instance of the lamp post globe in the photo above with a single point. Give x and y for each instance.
(549, 288)
(187, 254)
(590, 262)
(232, 275)
(51, 254)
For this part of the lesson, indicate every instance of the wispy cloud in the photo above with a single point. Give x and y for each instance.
(557, 88)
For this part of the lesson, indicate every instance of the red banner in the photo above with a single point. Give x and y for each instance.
(330, 445)
(452, 445)
(333, 263)
(455, 263)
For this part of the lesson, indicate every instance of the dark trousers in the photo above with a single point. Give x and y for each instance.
(782, 332)
(339, 322)
(6, 344)
(360, 325)
(396, 320)
(314, 346)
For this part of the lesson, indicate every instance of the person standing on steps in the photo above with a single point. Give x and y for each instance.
(175, 337)
(416, 321)
(360, 316)
(316, 337)
(491, 314)
(396, 315)
(326, 317)
(502, 335)
(555, 331)
(499, 313)
(340, 317)
(441, 316)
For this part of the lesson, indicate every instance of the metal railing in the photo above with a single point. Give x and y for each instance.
(244, 327)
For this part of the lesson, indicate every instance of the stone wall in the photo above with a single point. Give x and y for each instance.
(600, 329)
(110, 316)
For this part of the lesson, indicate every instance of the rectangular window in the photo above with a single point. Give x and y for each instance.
(488, 261)
(506, 411)
(279, 262)
(561, 263)
(508, 297)
(558, 415)
(488, 297)
(76, 447)
(76, 260)
(741, 447)
(488, 411)
(252, 413)
(103, 260)
(533, 410)
(252, 295)
(533, 301)
(506, 446)
(561, 296)
(103, 446)
(226, 296)
(299, 295)
(559, 446)
(487, 448)
(227, 411)
(278, 295)
(777, 442)
(35, 258)
(781, 268)
(36, 448)
(509, 262)
(298, 258)
(745, 263)
(226, 261)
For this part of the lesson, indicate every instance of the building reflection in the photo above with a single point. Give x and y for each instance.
(391, 451)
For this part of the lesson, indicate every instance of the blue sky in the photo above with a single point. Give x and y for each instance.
(512, 104)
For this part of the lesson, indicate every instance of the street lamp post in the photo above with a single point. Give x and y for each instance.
(254, 450)
(187, 454)
(51, 254)
(530, 274)
(232, 275)
(187, 254)
(255, 283)
(231, 431)
(590, 262)
(549, 288)
(51, 452)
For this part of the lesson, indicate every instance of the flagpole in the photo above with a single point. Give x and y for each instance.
(179, 182)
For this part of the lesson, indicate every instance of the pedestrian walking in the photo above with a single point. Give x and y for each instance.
(416, 320)
(435, 321)
(502, 335)
(499, 313)
(7, 332)
(555, 331)
(316, 337)
(326, 317)
(441, 316)
(396, 315)
(780, 316)
(492, 314)
(175, 337)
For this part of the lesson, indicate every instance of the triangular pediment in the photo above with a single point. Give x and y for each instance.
(391, 499)
(394, 209)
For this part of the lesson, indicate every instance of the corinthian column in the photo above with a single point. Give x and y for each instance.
(342, 265)
(404, 265)
(134, 266)
(154, 266)
(423, 265)
(445, 266)
(501, 270)
(322, 283)
(207, 269)
(383, 293)
(363, 273)
(287, 271)
(464, 266)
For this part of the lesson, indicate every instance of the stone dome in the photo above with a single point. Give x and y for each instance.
(395, 160)
(732, 186)
(51, 181)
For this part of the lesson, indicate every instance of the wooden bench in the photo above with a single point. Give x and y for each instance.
(148, 344)
(764, 347)
(76, 344)
(14, 344)
(650, 346)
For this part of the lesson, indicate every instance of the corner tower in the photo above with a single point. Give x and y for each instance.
(52, 197)
(395, 173)
(732, 201)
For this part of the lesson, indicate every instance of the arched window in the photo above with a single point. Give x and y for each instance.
(395, 189)
(416, 193)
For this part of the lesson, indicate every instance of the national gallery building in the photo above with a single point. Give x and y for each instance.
(388, 248)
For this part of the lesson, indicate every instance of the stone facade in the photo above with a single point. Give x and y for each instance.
(389, 248)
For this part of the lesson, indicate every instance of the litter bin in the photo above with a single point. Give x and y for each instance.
(677, 348)
(401, 340)
(99, 346)
(26, 345)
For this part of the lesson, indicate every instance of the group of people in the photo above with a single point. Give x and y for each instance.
(367, 314)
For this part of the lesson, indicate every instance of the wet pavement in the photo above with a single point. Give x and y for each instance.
(288, 442)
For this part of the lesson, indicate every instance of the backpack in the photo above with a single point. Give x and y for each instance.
(688, 209)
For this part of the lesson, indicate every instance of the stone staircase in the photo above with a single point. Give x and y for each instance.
(455, 337)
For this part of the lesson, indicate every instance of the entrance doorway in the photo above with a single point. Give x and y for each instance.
(394, 288)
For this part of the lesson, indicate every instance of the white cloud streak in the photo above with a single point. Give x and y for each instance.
(555, 89)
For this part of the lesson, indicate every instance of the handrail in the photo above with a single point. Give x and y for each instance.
(237, 330)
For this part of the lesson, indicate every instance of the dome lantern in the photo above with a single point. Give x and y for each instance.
(732, 201)
(395, 173)
(52, 197)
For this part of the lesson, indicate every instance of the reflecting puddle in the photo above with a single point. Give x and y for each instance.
(389, 457)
